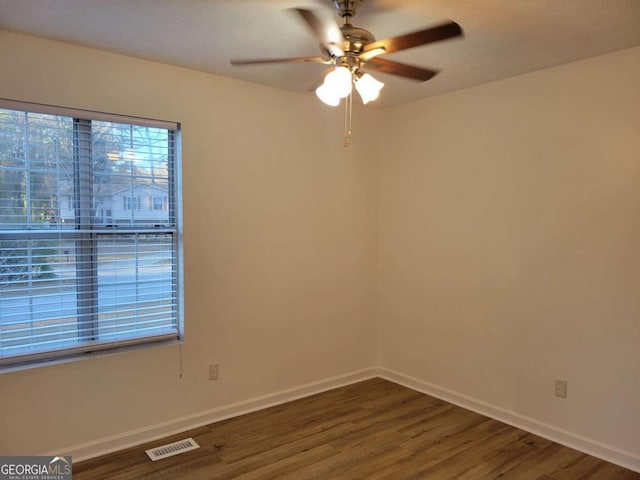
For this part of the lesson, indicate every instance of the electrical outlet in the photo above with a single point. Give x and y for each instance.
(561, 388)
(213, 371)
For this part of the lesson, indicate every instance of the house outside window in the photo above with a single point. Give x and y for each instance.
(83, 267)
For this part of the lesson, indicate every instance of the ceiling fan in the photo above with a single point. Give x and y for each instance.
(350, 49)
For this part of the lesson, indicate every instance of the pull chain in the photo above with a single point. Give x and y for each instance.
(349, 132)
(348, 112)
(345, 140)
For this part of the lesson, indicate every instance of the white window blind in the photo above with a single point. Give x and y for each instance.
(86, 261)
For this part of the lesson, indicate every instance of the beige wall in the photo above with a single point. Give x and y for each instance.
(509, 233)
(280, 232)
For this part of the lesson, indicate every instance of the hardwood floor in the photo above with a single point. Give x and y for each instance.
(370, 430)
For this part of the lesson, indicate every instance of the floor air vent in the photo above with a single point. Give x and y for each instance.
(172, 449)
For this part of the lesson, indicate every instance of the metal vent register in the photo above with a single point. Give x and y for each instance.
(172, 449)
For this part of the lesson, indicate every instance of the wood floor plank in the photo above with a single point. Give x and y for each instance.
(373, 430)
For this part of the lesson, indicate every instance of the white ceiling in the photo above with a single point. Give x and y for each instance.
(503, 38)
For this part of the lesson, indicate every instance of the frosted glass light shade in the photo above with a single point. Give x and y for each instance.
(327, 96)
(368, 88)
(339, 82)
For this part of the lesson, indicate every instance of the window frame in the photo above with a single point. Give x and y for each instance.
(86, 233)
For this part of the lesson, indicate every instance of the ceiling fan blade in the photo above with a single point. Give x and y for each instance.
(400, 69)
(324, 29)
(374, 52)
(260, 61)
(415, 39)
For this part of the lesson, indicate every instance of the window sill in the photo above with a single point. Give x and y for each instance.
(77, 357)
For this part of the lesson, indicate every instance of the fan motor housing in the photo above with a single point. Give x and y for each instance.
(355, 38)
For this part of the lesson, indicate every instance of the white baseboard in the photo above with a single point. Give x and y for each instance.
(592, 447)
(139, 436)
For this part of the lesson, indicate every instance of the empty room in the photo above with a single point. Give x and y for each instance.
(320, 239)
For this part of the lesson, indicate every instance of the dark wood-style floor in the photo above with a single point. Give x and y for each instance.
(370, 430)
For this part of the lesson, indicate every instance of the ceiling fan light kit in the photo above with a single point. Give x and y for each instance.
(325, 94)
(338, 82)
(350, 49)
(368, 87)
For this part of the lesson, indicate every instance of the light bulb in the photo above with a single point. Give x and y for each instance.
(339, 82)
(327, 96)
(368, 88)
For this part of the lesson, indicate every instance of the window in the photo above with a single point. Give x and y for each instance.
(159, 203)
(131, 203)
(77, 274)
